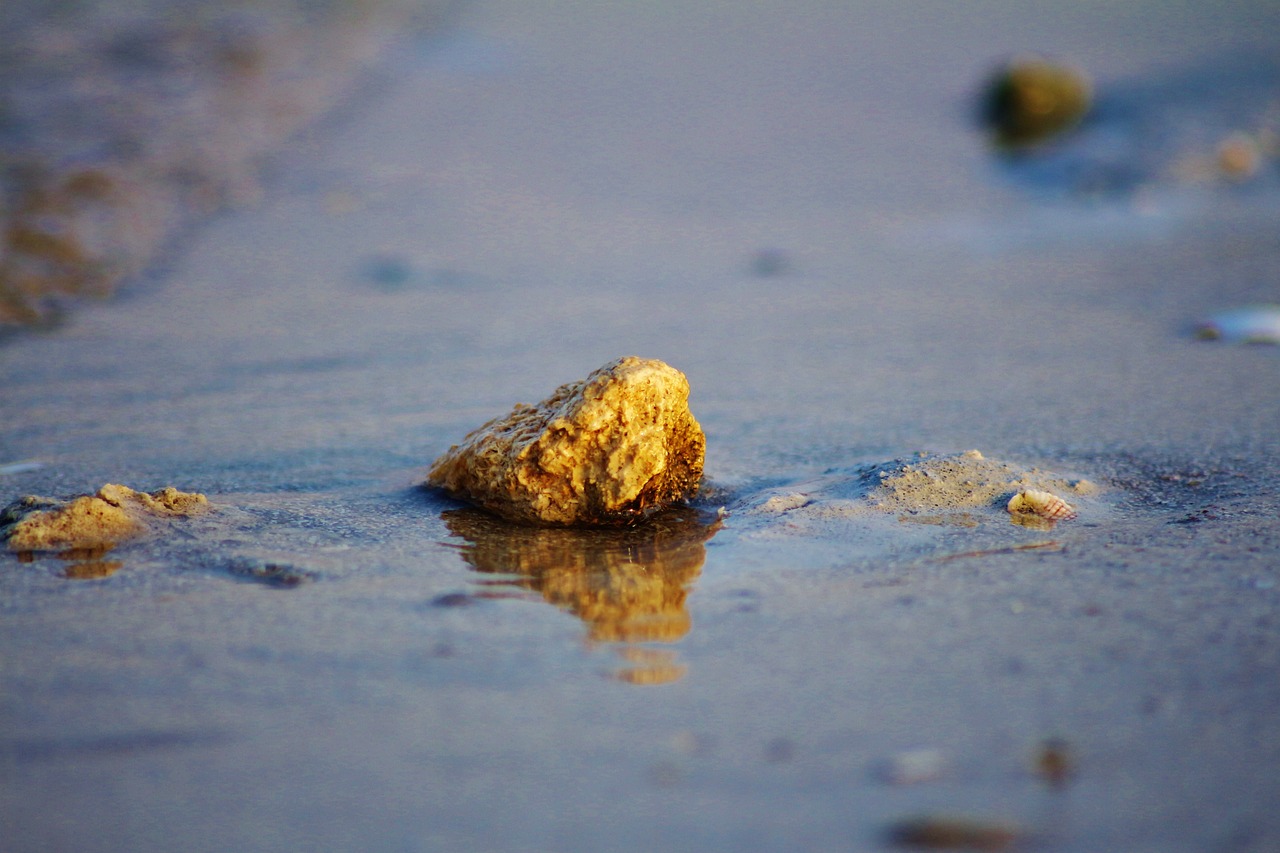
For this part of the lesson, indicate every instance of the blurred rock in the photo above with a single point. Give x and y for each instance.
(1055, 762)
(1213, 124)
(1239, 156)
(611, 449)
(1031, 100)
(281, 575)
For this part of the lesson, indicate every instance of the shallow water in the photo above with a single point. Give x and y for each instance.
(336, 658)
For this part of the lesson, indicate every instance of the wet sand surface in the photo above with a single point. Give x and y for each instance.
(789, 203)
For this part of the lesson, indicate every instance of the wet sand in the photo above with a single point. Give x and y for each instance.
(792, 206)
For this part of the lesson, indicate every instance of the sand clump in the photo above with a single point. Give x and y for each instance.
(962, 481)
(115, 514)
(957, 489)
(610, 449)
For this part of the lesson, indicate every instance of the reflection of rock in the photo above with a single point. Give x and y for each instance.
(649, 666)
(114, 514)
(82, 563)
(611, 449)
(88, 564)
(628, 585)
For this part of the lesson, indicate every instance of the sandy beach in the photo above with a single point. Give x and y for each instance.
(846, 638)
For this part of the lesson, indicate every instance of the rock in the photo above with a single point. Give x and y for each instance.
(1032, 100)
(114, 514)
(608, 450)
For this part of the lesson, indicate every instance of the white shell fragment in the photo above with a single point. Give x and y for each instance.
(1255, 324)
(913, 767)
(1044, 504)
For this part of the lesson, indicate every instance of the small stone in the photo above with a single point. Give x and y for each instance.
(940, 832)
(280, 575)
(611, 449)
(1032, 100)
(1054, 762)
(114, 514)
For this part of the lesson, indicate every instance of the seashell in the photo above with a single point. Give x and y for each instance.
(1255, 324)
(1044, 504)
(913, 767)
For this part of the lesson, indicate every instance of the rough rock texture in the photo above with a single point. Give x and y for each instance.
(114, 514)
(610, 449)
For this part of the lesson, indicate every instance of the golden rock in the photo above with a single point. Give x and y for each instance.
(611, 449)
(114, 514)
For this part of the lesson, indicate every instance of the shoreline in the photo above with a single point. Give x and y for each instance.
(120, 129)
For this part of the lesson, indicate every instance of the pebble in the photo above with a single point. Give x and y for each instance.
(1032, 100)
(611, 449)
(114, 514)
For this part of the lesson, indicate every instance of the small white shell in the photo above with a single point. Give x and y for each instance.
(1256, 324)
(1044, 504)
(913, 767)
